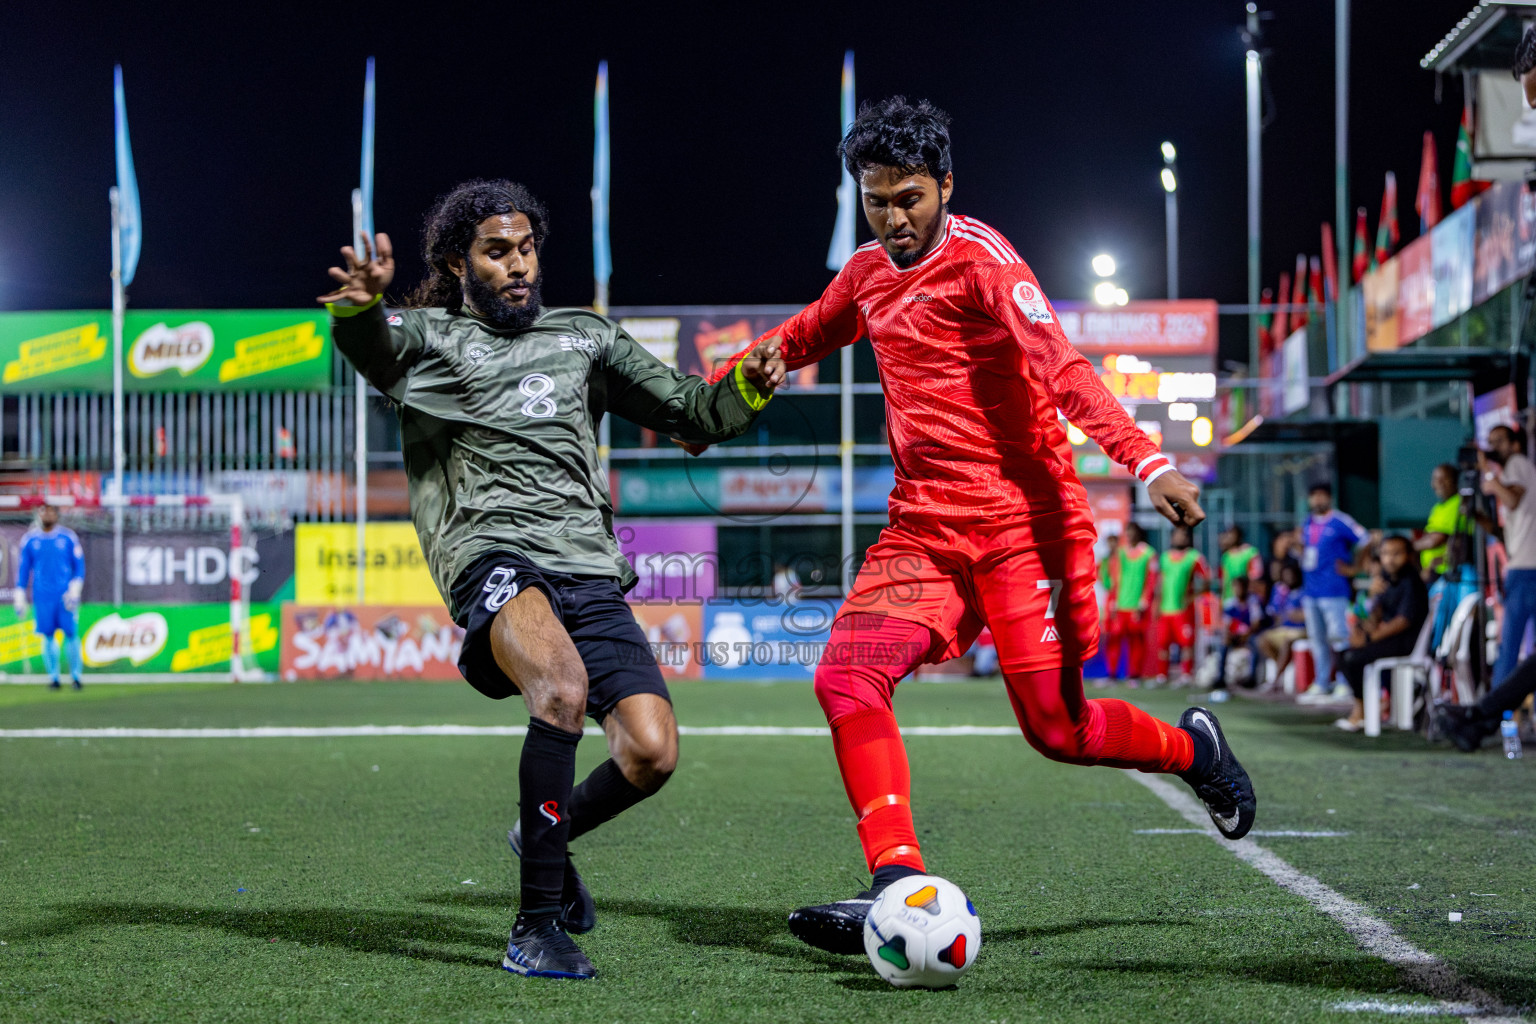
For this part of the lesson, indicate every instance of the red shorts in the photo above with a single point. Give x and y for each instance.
(1029, 580)
(1178, 628)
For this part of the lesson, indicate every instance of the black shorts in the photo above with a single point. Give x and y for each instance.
(593, 611)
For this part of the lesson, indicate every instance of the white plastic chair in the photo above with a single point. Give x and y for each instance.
(1456, 646)
(1404, 673)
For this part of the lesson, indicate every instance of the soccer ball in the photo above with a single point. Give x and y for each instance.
(922, 932)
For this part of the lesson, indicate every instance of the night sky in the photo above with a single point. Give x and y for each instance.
(246, 133)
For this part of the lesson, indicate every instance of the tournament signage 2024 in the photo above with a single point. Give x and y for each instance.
(167, 350)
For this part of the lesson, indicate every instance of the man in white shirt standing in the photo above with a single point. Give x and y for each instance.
(1510, 478)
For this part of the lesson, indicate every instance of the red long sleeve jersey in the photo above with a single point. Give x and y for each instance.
(974, 365)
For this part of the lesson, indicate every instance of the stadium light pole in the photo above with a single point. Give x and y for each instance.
(1253, 69)
(1170, 178)
(1341, 300)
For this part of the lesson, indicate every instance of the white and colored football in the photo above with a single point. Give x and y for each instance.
(922, 932)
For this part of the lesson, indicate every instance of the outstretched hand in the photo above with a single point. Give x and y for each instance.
(363, 279)
(1177, 498)
(764, 366)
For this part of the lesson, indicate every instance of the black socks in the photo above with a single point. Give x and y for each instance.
(601, 797)
(1204, 755)
(888, 873)
(545, 775)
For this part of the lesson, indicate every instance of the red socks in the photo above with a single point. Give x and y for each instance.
(873, 762)
(1063, 725)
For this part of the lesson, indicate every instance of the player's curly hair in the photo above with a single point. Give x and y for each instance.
(450, 228)
(895, 133)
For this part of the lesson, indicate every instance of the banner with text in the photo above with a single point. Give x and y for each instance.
(158, 638)
(167, 350)
(406, 642)
(325, 565)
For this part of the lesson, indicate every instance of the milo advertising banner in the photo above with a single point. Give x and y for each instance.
(167, 638)
(167, 350)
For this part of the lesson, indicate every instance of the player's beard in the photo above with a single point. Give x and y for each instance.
(500, 312)
(906, 259)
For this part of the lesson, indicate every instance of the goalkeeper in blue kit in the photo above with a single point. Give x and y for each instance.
(53, 564)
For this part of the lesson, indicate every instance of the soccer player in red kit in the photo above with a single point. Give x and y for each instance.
(989, 524)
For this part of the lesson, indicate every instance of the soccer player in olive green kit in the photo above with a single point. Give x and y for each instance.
(499, 401)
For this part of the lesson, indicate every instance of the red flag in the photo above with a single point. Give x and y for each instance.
(1427, 201)
(1361, 260)
(1315, 281)
(1463, 187)
(1299, 295)
(1330, 264)
(1387, 235)
(1266, 337)
(1282, 318)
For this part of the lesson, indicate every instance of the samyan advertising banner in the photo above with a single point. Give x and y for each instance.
(167, 350)
(327, 642)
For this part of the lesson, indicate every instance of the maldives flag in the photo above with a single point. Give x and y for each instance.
(1361, 260)
(1282, 318)
(1386, 229)
(1427, 200)
(1315, 291)
(1463, 187)
(1299, 296)
(1266, 337)
(1330, 264)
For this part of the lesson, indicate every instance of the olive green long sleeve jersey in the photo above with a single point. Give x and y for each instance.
(499, 429)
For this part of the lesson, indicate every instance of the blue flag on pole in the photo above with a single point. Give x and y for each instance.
(602, 254)
(841, 250)
(365, 183)
(128, 222)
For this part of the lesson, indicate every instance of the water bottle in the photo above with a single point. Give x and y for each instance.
(1511, 734)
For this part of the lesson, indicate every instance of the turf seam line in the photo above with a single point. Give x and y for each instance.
(320, 731)
(1423, 970)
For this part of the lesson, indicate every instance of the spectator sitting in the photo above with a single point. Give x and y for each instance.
(1285, 614)
(1392, 626)
(1446, 521)
(1240, 617)
(1285, 550)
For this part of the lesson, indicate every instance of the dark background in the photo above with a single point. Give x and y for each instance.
(246, 126)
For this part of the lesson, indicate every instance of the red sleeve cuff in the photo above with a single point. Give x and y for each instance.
(1152, 467)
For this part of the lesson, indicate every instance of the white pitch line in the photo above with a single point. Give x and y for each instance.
(263, 732)
(1409, 1009)
(1424, 971)
(1280, 833)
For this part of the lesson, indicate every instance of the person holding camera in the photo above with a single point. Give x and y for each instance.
(1448, 524)
(1510, 485)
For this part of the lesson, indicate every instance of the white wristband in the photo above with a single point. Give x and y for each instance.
(1159, 471)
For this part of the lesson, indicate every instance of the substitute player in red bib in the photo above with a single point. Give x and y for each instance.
(1178, 571)
(988, 521)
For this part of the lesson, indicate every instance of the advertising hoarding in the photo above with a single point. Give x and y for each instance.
(167, 350)
(158, 638)
(1182, 327)
(1415, 290)
(325, 565)
(1451, 250)
(405, 642)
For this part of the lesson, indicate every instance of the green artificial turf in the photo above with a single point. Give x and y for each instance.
(367, 878)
